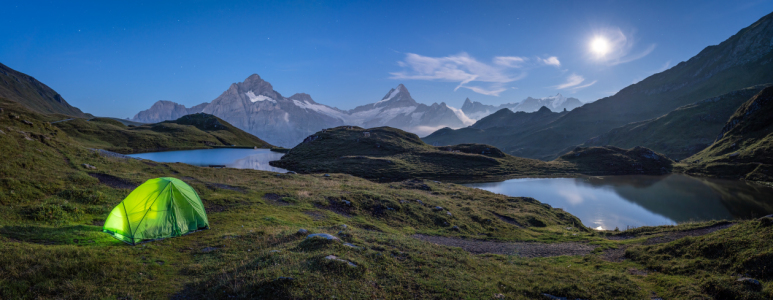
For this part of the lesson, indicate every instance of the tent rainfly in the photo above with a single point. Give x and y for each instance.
(159, 208)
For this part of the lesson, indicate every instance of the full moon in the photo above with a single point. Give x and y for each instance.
(600, 46)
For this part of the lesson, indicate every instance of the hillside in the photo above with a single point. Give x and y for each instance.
(741, 61)
(682, 132)
(744, 147)
(386, 235)
(22, 88)
(390, 154)
(499, 129)
(188, 132)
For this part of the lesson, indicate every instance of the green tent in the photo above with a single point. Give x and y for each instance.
(159, 208)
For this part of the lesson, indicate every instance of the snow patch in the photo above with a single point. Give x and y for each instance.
(323, 109)
(254, 98)
(392, 95)
(287, 117)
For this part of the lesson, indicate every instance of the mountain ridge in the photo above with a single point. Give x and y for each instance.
(25, 89)
(743, 60)
(254, 106)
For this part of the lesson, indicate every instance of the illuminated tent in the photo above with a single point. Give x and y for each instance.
(159, 208)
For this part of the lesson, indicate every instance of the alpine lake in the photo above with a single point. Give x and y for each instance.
(601, 202)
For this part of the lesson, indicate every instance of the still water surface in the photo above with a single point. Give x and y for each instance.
(619, 201)
(232, 158)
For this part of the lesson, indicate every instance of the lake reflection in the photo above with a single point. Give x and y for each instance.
(638, 200)
(232, 158)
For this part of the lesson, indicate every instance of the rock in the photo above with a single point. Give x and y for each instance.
(27, 122)
(449, 214)
(208, 249)
(351, 246)
(438, 208)
(327, 175)
(348, 203)
(322, 236)
(1, 132)
(302, 231)
(88, 166)
(734, 154)
(751, 283)
(455, 228)
(768, 216)
(291, 172)
(403, 201)
(274, 251)
(335, 258)
(344, 226)
(419, 201)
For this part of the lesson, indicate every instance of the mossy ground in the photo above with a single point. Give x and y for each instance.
(51, 210)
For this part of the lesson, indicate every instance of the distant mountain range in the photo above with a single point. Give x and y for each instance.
(477, 110)
(743, 60)
(254, 106)
(25, 89)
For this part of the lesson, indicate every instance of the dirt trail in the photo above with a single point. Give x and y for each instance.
(522, 249)
(618, 255)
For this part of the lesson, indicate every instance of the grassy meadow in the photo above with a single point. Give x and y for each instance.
(52, 209)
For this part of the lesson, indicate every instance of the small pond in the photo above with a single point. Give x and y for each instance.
(230, 157)
(621, 201)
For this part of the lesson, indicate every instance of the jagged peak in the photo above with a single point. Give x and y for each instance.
(302, 97)
(399, 93)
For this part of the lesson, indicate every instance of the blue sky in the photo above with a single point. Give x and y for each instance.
(115, 58)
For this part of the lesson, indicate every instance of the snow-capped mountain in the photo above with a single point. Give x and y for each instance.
(557, 103)
(254, 106)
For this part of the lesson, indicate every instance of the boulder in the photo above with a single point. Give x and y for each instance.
(88, 166)
(335, 258)
(322, 236)
(302, 231)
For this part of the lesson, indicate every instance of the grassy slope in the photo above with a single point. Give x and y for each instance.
(745, 147)
(702, 76)
(189, 132)
(682, 132)
(391, 154)
(52, 249)
(497, 129)
(34, 94)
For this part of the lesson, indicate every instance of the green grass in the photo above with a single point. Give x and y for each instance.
(389, 154)
(744, 149)
(52, 246)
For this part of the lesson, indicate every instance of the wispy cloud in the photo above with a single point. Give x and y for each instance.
(550, 61)
(483, 78)
(573, 83)
(621, 47)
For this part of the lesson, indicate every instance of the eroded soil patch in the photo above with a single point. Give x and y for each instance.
(524, 249)
(220, 186)
(114, 182)
(275, 199)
